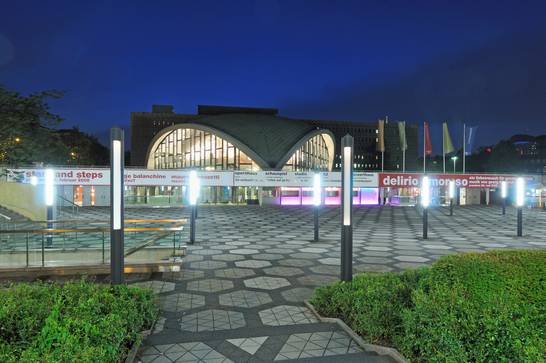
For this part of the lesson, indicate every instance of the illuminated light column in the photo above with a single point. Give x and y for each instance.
(194, 194)
(504, 194)
(425, 202)
(317, 198)
(520, 202)
(49, 194)
(116, 205)
(451, 196)
(347, 209)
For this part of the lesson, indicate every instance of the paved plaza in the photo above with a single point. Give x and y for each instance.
(239, 296)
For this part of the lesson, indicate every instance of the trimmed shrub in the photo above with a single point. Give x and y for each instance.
(472, 307)
(82, 321)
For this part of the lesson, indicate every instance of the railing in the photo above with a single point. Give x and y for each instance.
(35, 247)
(75, 208)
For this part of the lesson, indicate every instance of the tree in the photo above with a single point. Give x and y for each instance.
(83, 149)
(26, 134)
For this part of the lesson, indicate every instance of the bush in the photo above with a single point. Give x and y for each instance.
(82, 321)
(487, 307)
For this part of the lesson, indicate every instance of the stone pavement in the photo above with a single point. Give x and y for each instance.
(239, 296)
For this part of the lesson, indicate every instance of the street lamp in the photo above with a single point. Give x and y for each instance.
(347, 144)
(425, 202)
(504, 194)
(49, 193)
(317, 197)
(194, 194)
(451, 196)
(520, 201)
(454, 158)
(117, 228)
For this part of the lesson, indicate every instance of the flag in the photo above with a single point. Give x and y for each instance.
(381, 136)
(402, 133)
(469, 139)
(448, 145)
(428, 144)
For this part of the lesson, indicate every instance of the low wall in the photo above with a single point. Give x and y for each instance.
(24, 199)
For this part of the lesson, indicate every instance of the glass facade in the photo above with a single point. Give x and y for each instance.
(312, 155)
(191, 148)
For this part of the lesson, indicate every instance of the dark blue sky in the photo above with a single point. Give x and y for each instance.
(482, 62)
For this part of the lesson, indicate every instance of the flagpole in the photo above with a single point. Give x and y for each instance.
(424, 148)
(444, 147)
(464, 148)
(383, 149)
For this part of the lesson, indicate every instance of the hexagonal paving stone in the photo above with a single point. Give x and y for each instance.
(330, 261)
(180, 302)
(268, 256)
(318, 344)
(252, 263)
(208, 265)
(267, 283)
(244, 251)
(207, 252)
(212, 320)
(210, 285)
(184, 275)
(295, 262)
(157, 286)
(228, 258)
(245, 298)
(234, 273)
(306, 255)
(411, 259)
(194, 352)
(368, 267)
(298, 294)
(317, 280)
(313, 250)
(325, 269)
(287, 315)
(283, 271)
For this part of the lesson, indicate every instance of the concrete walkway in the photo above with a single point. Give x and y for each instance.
(239, 297)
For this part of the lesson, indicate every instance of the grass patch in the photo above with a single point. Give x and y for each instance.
(73, 322)
(486, 307)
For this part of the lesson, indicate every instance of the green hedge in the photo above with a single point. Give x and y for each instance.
(488, 307)
(72, 322)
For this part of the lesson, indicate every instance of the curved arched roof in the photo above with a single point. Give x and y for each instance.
(267, 139)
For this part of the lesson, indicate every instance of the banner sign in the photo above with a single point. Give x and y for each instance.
(133, 177)
(413, 180)
(298, 179)
(148, 177)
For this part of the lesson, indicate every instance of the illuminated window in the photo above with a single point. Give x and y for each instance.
(190, 148)
(312, 155)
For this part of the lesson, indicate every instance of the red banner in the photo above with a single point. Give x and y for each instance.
(428, 143)
(413, 180)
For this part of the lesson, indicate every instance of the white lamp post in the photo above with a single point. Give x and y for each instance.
(425, 202)
(194, 195)
(117, 228)
(454, 158)
(347, 144)
(49, 194)
(451, 196)
(520, 202)
(504, 194)
(317, 198)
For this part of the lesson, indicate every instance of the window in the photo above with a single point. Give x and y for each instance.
(190, 148)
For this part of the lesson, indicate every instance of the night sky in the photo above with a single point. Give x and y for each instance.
(484, 64)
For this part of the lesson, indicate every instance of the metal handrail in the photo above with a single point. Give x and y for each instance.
(48, 232)
(182, 220)
(89, 230)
